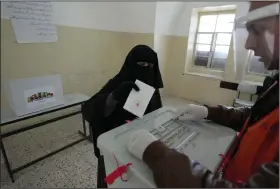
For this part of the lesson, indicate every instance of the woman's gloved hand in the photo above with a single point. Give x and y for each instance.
(121, 93)
(192, 112)
(138, 142)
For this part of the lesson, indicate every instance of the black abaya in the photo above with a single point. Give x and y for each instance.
(94, 109)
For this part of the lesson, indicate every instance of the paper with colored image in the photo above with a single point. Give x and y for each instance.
(39, 96)
(137, 101)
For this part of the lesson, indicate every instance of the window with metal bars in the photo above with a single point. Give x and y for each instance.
(213, 39)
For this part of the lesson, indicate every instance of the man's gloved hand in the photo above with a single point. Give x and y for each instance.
(192, 112)
(172, 169)
(138, 142)
(121, 93)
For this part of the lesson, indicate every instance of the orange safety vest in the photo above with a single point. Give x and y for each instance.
(259, 145)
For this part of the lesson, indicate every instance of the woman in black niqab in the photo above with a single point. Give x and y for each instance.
(104, 111)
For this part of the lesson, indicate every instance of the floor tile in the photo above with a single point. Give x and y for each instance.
(5, 179)
(90, 157)
(32, 179)
(87, 179)
(84, 146)
(47, 132)
(35, 167)
(24, 152)
(17, 140)
(57, 179)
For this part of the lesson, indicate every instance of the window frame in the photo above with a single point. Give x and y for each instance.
(214, 38)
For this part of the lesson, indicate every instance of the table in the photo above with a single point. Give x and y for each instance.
(8, 117)
(210, 131)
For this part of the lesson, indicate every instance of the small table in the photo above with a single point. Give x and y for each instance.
(9, 117)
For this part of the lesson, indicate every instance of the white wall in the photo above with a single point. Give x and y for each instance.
(167, 14)
(136, 17)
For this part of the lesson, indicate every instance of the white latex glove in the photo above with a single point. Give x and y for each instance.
(138, 142)
(193, 112)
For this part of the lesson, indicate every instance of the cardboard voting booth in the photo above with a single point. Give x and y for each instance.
(29, 95)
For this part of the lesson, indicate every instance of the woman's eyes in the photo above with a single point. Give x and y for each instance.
(144, 64)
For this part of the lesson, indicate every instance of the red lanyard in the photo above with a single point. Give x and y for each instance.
(110, 179)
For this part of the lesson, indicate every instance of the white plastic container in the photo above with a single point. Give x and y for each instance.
(201, 141)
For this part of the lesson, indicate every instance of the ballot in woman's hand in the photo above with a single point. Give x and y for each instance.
(121, 93)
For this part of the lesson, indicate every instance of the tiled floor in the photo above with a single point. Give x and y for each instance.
(75, 167)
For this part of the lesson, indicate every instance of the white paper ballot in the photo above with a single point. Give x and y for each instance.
(138, 101)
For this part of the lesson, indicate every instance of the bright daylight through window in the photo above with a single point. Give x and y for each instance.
(213, 39)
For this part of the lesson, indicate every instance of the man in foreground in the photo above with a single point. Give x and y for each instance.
(252, 160)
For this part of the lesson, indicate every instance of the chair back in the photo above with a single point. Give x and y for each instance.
(247, 88)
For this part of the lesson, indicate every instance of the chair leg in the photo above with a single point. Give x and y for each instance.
(90, 134)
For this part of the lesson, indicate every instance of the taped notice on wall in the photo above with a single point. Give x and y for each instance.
(32, 21)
